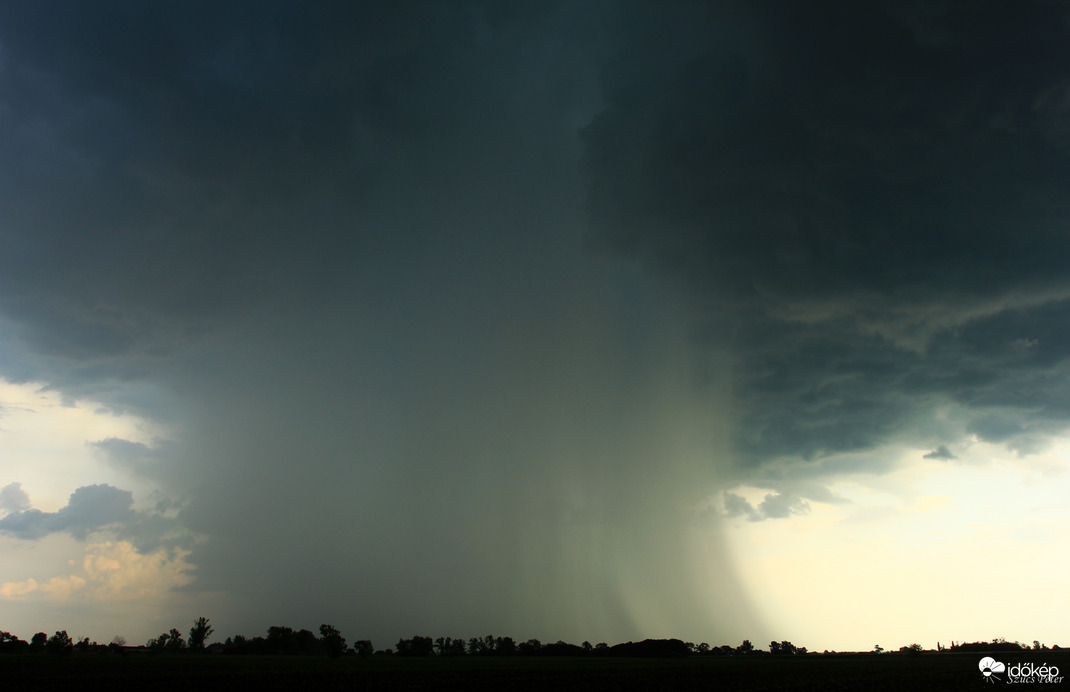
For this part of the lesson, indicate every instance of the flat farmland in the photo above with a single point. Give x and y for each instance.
(87, 672)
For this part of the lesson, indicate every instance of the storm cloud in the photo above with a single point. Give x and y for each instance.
(866, 201)
(340, 251)
(457, 311)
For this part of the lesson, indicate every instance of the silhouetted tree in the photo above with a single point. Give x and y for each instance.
(332, 641)
(654, 648)
(59, 643)
(999, 644)
(199, 633)
(307, 642)
(280, 640)
(745, 648)
(175, 642)
(560, 648)
(38, 641)
(170, 642)
(417, 646)
(446, 646)
(10, 644)
(530, 647)
(283, 640)
(363, 648)
(505, 646)
(234, 645)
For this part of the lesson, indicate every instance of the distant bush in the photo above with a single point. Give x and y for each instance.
(994, 645)
(652, 648)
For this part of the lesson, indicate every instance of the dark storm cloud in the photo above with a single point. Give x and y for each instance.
(339, 249)
(165, 167)
(866, 200)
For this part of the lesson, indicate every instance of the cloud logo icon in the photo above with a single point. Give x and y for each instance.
(989, 667)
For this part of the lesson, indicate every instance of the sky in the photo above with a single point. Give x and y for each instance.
(572, 321)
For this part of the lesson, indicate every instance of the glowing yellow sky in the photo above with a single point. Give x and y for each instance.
(45, 443)
(98, 588)
(974, 548)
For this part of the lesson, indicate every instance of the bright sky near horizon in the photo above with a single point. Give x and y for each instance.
(596, 321)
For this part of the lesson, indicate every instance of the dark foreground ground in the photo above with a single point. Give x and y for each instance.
(812, 672)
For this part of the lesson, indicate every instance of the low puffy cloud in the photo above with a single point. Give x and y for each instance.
(13, 498)
(56, 588)
(781, 506)
(110, 571)
(736, 506)
(942, 453)
(97, 508)
(773, 506)
(89, 509)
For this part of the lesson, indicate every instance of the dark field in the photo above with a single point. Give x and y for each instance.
(812, 672)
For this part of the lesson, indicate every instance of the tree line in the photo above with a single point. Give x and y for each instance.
(330, 642)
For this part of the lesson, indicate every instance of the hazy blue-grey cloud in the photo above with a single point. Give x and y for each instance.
(122, 450)
(737, 506)
(13, 498)
(90, 508)
(93, 509)
(772, 506)
(942, 453)
(153, 462)
(781, 505)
